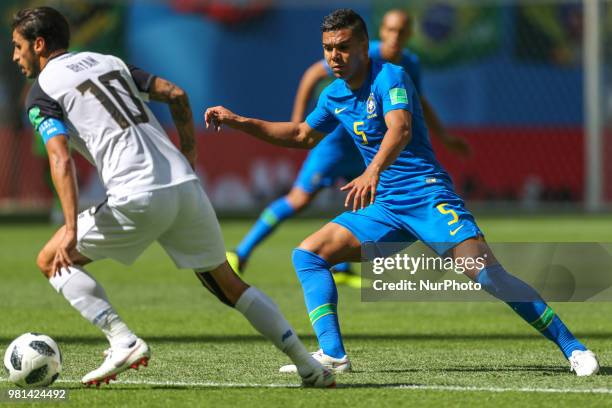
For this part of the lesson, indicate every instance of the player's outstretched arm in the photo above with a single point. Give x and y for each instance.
(64, 179)
(452, 143)
(287, 134)
(165, 91)
(362, 190)
(311, 78)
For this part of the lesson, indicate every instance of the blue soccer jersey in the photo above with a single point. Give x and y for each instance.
(336, 157)
(415, 197)
(361, 113)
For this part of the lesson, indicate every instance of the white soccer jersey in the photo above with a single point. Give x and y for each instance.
(101, 101)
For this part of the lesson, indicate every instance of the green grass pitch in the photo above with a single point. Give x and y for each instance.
(404, 354)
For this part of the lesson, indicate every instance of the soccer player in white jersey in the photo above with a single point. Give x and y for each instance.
(93, 102)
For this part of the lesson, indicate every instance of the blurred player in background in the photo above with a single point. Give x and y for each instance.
(403, 195)
(336, 157)
(95, 103)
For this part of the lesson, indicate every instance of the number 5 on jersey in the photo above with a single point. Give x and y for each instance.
(360, 132)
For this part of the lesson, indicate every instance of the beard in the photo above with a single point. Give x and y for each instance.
(34, 67)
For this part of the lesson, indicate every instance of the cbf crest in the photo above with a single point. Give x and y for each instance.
(371, 106)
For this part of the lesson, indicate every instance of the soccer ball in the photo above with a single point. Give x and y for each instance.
(33, 360)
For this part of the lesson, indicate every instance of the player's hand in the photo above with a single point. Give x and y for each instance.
(456, 145)
(62, 254)
(218, 116)
(362, 190)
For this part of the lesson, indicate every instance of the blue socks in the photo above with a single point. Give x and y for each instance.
(321, 299)
(528, 304)
(273, 215)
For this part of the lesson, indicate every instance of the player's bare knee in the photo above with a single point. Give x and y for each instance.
(298, 199)
(312, 244)
(479, 251)
(299, 205)
(45, 264)
(329, 242)
(325, 250)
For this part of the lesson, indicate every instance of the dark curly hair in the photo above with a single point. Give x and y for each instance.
(45, 22)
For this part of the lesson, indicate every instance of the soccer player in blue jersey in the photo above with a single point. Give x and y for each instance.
(403, 195)
(336, 157)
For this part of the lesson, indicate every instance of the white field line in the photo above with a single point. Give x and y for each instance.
(409, 387)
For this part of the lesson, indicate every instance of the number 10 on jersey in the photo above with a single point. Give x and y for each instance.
(115, 111)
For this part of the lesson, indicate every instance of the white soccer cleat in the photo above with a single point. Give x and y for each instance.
(584, 363)
(118, 360)
(336, 365)
(320, 377)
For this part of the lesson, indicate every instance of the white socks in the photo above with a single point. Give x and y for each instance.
(266, 318)
(87, 296)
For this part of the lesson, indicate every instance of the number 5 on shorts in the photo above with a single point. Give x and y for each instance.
(444, 211)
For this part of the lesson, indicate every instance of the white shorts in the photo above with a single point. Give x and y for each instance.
(179, 217)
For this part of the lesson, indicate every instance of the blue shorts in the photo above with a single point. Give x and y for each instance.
(439, 219)
(335, 157)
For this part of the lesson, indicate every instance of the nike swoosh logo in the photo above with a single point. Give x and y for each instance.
(339, 110)
(453, 232)
(122, 362)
